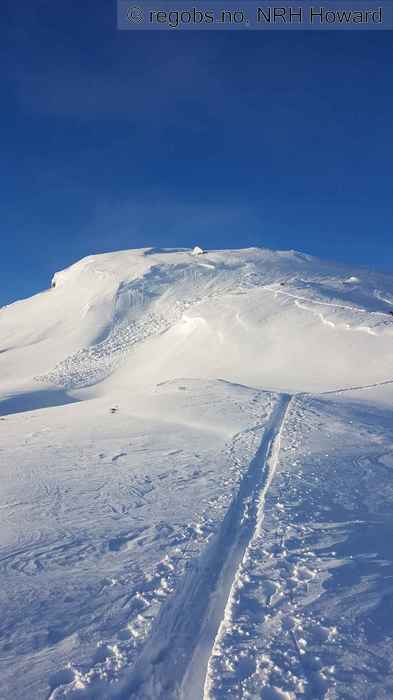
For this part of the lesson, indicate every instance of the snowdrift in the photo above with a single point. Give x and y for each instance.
(274, 320)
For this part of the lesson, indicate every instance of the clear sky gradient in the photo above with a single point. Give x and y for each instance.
(116, 140)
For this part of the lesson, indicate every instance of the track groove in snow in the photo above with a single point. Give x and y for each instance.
(175, 660)
(272, 457)
(356, 388)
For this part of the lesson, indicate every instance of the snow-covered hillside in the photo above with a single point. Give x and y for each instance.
(196, 458)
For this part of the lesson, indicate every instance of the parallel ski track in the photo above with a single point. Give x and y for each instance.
(175, 661)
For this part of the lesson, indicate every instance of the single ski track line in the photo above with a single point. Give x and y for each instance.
(352, 388)
(271, 466)
(175, 660)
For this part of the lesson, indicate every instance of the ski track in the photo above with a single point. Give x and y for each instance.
(177, 661)
(354, 388)
(271, 465)
(174, 661)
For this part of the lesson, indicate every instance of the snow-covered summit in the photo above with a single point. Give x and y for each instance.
(277, 320)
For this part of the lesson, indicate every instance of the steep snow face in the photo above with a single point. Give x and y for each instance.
(278, 320)
(77, 312)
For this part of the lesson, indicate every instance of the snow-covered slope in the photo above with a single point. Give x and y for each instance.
(269, 319)
(195, 455)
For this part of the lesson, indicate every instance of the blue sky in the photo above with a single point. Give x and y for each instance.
(125, 139)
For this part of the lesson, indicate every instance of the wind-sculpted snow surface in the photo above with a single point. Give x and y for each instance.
(196, 458)
(91, 365)
(175, 659)
(244, 303)
(276, 320)
(310, 613)
(118, 506)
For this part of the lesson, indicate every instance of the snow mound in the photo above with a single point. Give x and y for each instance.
(352, 280)
(198, 251)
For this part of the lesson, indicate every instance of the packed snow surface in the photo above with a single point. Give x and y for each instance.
(196, 458)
